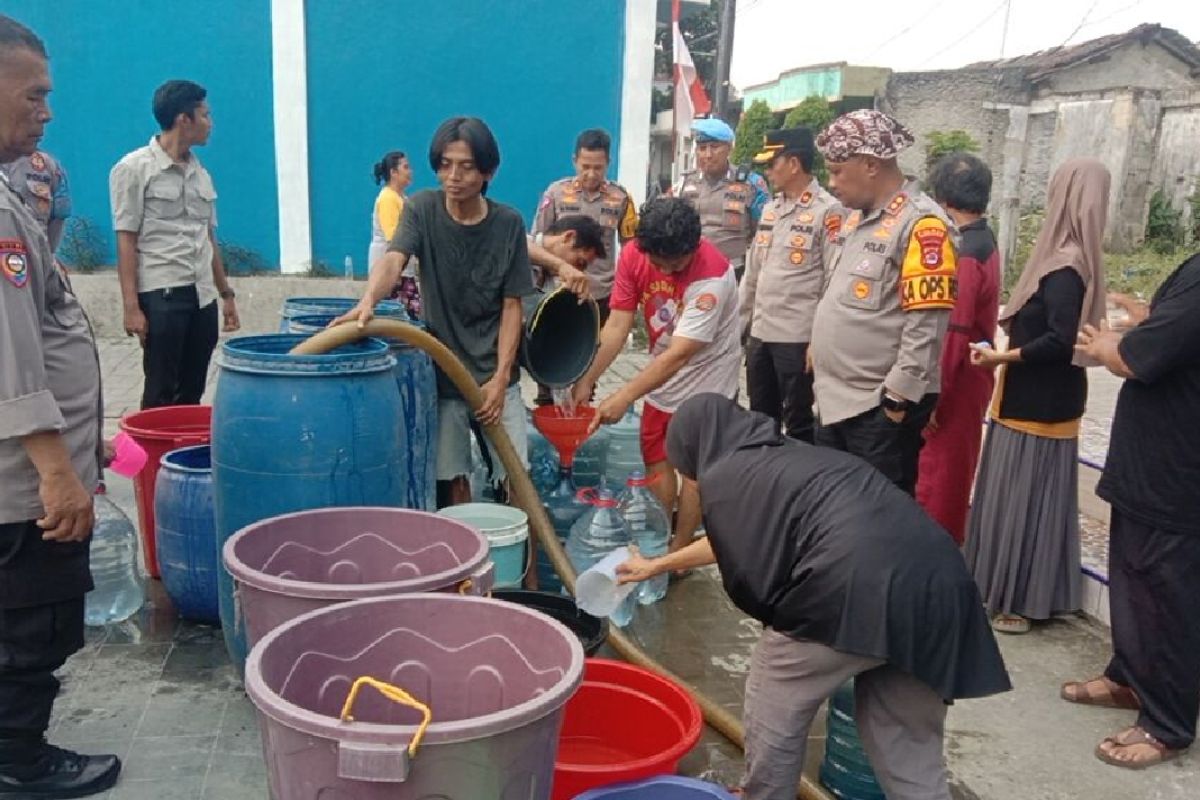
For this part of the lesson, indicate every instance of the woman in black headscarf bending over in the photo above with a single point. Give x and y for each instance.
(850, 579)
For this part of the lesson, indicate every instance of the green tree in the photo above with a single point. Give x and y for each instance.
(753, 125)
(939, 143)
(813, 113)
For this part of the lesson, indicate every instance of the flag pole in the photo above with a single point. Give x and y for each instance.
(675, 75)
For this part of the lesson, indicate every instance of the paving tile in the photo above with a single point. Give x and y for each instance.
(236, 777)
(193, 715)
(173, 757)
(189, 788)
(100, 720)
(240, 734)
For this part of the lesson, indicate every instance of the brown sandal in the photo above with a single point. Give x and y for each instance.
(1113, 696)
(1131, 737)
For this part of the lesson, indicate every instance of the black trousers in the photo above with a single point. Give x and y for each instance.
(179, 344)
(41, 624)
(1154, 596)
(780, 386)
(545, 397)
(893, 449)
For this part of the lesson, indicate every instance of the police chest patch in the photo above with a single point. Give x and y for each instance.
(806, 217)
(14, 262)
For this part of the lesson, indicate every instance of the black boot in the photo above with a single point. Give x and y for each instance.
(35, 770)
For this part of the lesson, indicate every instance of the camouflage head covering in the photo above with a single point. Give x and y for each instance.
(866, 133)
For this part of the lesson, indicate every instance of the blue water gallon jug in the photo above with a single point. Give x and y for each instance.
(650, 528)
(597, 533)
(624, 449)
(118, 591)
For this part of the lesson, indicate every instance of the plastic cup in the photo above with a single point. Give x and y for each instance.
(129, 457)
(596, 589)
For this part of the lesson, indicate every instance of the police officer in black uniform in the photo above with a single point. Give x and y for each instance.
(49, 460)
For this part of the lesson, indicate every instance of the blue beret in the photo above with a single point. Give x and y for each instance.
(712, 130)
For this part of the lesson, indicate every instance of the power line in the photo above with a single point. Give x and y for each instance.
(960, 39)
(920, 19)
(1082, 21)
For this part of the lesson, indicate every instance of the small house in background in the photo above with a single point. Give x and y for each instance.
(843, 86)
(1131, 99)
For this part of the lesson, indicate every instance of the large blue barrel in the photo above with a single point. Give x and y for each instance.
(186, 530)
(417, 382)
(332, 307)
(291, 433)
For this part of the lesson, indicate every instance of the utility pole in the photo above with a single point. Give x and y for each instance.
(724, 57)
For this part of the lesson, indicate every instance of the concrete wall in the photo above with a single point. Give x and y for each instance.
(259, 299)
(106, 60)
(1133, 66)
(382, 76)
(948, 100)
(1176, 169)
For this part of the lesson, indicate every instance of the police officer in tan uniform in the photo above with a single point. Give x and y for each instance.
(877, 336)
(730, 199)
(42, 183)
(589, 192)
(49, 440)
(785, 274)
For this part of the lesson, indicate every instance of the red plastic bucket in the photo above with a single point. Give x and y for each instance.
(624, 724)
(159, 431)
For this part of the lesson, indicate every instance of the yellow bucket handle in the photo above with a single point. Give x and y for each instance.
(396, 695)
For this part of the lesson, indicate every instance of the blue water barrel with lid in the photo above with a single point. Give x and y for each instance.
(186, 531)
(291, 433)
(333, 307)
(417, 382)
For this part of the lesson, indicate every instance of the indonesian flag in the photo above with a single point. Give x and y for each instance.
(691, 100)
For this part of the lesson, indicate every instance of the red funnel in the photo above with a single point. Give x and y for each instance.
(565, 432)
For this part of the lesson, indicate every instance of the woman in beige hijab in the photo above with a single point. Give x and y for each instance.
(1023, 534)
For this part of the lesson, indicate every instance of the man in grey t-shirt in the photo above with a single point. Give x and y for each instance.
(473, 270)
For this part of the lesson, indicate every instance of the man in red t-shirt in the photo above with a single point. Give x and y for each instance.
(688, 295)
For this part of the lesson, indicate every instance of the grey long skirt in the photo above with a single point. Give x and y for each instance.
(1023, 534)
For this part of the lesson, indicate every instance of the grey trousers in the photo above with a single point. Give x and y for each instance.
(901, 720)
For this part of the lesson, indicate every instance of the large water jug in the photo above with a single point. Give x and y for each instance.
(119, 591)
(596, 534)
(624, 449)
(564, 508)
(650, 528)
(543, 459)
(591, 459)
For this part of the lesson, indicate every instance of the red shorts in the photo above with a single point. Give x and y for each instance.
(654, 434)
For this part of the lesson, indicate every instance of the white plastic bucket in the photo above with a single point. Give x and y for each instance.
(507, 531)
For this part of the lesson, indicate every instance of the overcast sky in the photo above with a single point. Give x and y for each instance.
(777, 35)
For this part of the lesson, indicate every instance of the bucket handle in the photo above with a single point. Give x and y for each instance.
(396, 695)
(480, 583)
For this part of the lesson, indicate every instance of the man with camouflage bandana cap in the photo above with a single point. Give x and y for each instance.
(877, 335)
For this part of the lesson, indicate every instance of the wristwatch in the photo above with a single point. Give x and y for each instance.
(893, 404)
(228, 294)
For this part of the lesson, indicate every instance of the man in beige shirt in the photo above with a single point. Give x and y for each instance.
(164, 212)
(785, 274)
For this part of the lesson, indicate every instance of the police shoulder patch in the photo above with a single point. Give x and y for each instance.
(928, 277)
(833, 224)
(706, 302)
(14, 262)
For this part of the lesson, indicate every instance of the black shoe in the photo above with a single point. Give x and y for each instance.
(57, 774)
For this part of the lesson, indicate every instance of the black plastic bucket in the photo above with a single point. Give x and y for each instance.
(591, 631)
(561, 337)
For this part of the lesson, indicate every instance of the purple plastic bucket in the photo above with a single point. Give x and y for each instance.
(289, 565)
(495, 676)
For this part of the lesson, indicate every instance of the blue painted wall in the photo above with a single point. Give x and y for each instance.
(107, 58)
(383, 75)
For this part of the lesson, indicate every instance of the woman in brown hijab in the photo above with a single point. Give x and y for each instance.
(1023, 533)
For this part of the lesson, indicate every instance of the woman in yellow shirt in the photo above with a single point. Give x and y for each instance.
(395, 173)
